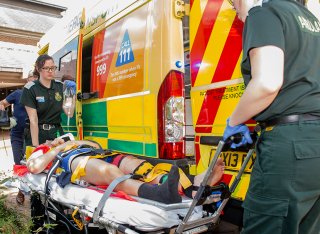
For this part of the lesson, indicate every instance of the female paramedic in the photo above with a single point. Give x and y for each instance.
(43, 101)
(281, 70)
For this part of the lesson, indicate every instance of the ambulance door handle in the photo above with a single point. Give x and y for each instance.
(86, 96)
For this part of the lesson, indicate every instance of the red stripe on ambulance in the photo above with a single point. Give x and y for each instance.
(202, 37)
(225, 68)
(208, 113)
(226, 178)
(230, 54)
(191, 4)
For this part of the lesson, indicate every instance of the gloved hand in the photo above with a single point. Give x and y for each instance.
(70, 85)
(241, 129)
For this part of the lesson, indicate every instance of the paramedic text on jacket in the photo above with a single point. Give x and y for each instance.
(281, 70)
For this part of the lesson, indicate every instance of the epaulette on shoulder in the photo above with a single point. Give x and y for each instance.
(29, 84)
(58, 81)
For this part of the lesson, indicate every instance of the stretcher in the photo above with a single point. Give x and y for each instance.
(82, 209)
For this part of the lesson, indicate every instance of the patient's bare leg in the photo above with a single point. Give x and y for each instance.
(99, 172)
(216, 175)
(130, 163)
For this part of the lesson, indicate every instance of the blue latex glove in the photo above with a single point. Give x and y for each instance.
(241, 129)
(70, 85)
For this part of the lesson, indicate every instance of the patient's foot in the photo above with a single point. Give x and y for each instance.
(166, 192)
(216, 174)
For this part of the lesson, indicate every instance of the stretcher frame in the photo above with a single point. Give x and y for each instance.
(201, 225)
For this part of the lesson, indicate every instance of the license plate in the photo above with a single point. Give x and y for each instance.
(233, 160)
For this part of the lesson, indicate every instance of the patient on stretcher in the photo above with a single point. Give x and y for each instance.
(162, 183)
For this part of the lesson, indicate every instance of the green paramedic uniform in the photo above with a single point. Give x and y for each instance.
(284, 190)
(48, 103)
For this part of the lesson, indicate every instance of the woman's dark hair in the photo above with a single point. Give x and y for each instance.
(41, 60)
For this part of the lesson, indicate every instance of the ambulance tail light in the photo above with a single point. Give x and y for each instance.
(171, 117)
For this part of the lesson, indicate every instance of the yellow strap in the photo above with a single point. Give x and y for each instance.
(71, 146)
(184, 180)
(76, 219)
(164, 168)
(80, 169)
(143, 169)
(29, 150)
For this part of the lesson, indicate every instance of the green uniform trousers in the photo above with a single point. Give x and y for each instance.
(44, 135)
(284, 191)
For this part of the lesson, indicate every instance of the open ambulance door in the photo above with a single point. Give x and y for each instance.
(66, 51)
(79, 94)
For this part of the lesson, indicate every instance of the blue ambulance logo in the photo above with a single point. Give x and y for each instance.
(125, 55)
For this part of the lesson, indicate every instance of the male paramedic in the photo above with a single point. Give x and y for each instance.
(281, 70)
(102, 171)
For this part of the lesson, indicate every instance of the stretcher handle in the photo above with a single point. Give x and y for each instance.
(98, 210)
(50, 173)
(201, 189)
(214, 218)
(243, 167)
(233, 186)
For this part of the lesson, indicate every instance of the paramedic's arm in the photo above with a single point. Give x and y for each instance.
(267, 77)
(34, 128)
(4, 104)
(37, 164)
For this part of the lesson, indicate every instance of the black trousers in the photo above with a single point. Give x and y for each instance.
(284, 190)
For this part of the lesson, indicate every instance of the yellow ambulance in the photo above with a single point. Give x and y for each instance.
(155, 78)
